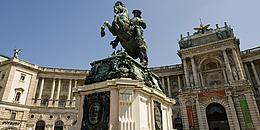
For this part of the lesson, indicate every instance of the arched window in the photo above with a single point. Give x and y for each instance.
(40, 125)
(59, 125)
(18, 94)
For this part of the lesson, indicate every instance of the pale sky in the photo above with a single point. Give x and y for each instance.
(66, 33)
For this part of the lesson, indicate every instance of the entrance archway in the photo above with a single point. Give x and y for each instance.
(59, 125)
(40, 125)
(217, 117)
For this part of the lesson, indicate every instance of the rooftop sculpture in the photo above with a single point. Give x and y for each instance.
(16, 53)
(128, 32)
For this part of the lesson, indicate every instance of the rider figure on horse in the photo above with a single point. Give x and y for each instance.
(128, 32)
(137, 24)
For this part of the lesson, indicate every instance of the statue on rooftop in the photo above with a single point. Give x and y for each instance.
(128, 32)
(202, 28)
(16, 53)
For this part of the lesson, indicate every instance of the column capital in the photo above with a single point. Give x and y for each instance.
(184, 58)
(192, 57)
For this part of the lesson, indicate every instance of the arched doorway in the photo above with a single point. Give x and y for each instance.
(59, 125)
(217, 117)
(40, 125)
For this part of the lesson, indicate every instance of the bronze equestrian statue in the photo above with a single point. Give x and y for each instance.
(129, 32)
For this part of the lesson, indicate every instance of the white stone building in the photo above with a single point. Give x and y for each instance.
(216, 86)
(34, 97)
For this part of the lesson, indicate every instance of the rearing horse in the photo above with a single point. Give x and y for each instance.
(125, 34)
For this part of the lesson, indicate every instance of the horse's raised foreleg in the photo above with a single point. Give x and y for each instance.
(110, 28)
(102, 32)
(114, 43)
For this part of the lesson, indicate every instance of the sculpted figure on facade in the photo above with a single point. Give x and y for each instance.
(128, 32)
(17, 52)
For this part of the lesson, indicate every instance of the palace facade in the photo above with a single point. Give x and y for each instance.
(37, 98)
(217, 86)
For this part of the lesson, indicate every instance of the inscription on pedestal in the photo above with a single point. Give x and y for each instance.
(96, 111)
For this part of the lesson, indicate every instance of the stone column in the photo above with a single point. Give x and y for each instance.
(228, 68)
(52, 93)
(225, 76)
(202, 80)
(186, 73)
(40, 93)
(247, 73)
(58, 93)
(253, 110)
(194, 71)
(69, 94)
(74, 98)
(163, 83)
(233, 112)
(179, 83)
(238, 64)
(199, 114)
(35, 89)
(255, 73)
(169, 87)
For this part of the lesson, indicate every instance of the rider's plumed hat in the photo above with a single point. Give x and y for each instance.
(137, 11)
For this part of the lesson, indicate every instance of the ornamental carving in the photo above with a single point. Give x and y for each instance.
(96, 111)
(158, 116)
(121, 65)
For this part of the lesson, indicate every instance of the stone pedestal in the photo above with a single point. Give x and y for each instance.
(121, 94)
(123, 104)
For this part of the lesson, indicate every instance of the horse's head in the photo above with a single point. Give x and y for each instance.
(119, 8)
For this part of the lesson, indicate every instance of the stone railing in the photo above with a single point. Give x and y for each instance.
(208, 36)
(51, 103)
(166, 67)
(248, 51)
(61, 70)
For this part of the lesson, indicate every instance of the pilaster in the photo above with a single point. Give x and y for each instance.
(253, 110)
(179, 83)
(199, 115)
(194, 71)
(169, 86)
(184, 115)
(233, 111)
(186, 73)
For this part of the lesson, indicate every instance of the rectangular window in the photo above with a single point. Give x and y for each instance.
(13, 115)
(22, 78)
(3, 76)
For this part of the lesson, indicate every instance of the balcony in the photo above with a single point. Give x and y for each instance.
(54, 103)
